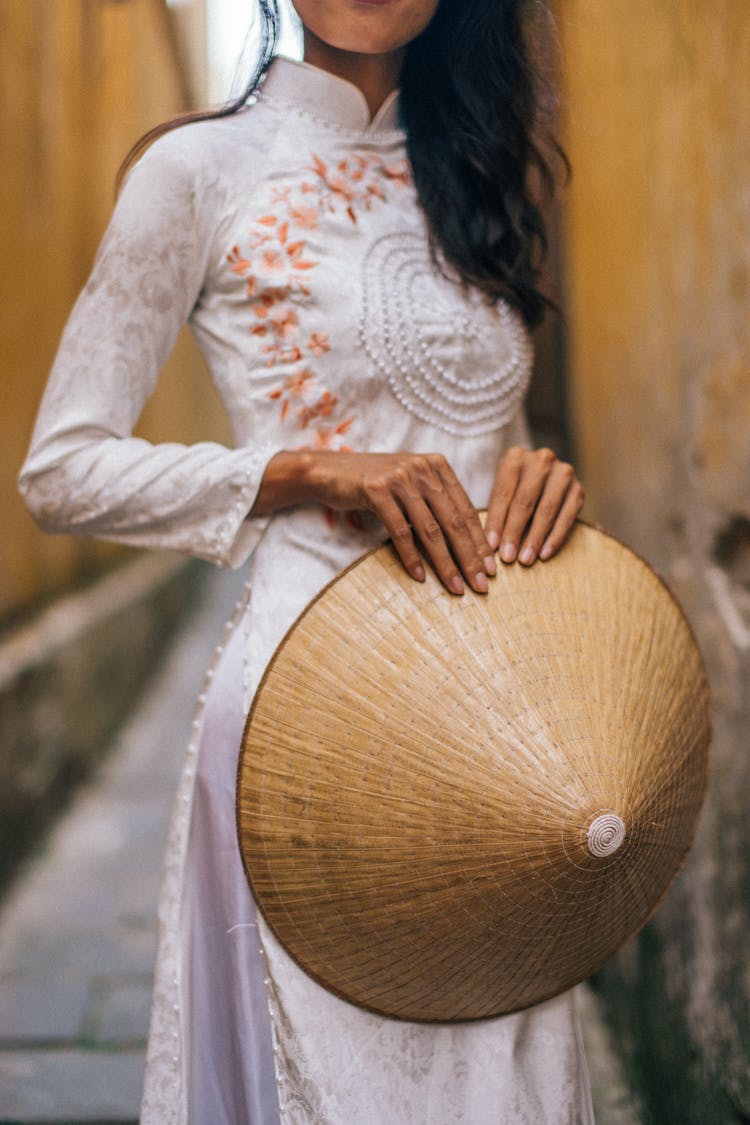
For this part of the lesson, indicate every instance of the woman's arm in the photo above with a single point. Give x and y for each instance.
(84, 471)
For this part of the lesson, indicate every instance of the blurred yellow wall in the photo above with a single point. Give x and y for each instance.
(658, 253)
(80, 82)
(658, 272)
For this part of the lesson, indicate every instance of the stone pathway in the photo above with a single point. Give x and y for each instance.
(78, 929)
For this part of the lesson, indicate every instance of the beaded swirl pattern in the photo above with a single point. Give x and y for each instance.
(451, 358)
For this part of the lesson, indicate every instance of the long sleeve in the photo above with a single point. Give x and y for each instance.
(85, 472)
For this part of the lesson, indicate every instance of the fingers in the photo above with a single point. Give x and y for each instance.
(467, 525)
(449, 564)
(534, 504)
(566, 518)
(420, 499)
(504, 490)
(560, 501)
(402, 537)
(447, 525)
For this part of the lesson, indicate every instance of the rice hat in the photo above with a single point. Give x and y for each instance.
(451, 808)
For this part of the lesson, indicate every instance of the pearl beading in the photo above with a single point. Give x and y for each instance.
(165, 1036)
(382, 136)
(427, 335)
(246, 485)
(282, 1092)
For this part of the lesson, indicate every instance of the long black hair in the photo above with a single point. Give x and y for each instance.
(473, 103)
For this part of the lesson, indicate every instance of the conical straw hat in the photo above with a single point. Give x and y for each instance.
(450, 808)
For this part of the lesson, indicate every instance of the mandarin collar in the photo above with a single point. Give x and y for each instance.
(326, 97)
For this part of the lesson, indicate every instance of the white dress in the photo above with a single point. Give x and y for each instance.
(290, 238)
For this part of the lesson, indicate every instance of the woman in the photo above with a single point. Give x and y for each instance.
(360, 273)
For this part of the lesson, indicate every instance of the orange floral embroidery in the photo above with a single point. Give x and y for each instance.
(274, 263)
(320, 409)
(327, 437)
(284, 321)
(237, 262)
(318, 343)
(356, 181)
(295, 384)
(304, 217)
(398, 173)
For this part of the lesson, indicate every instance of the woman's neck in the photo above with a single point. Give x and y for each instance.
(375, 75)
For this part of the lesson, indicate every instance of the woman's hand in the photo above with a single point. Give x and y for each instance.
(420, 501)
(533, 505)
(417, 496)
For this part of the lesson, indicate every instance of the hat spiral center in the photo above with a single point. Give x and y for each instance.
(605, 834)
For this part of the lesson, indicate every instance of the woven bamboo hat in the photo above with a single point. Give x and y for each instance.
(450, 808)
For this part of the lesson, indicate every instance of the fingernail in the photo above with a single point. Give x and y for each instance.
(546, 551)
(527, 555)
(508, 552)
(419, 573)
(493, 539)
(457, 585)
(490, 565)
(481, 583)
